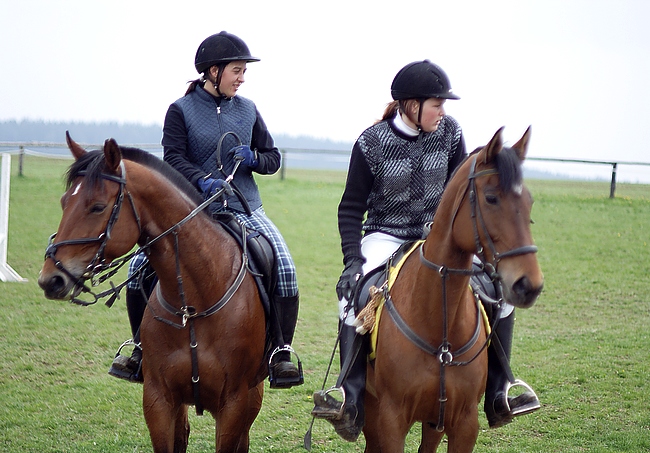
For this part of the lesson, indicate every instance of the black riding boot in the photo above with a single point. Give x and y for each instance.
(347, 417)
(283, 373)
(500, 408)
(124, 367)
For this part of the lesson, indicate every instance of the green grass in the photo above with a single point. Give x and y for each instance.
(583, 346)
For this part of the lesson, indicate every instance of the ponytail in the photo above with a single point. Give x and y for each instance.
(390, 111)
(193, 85)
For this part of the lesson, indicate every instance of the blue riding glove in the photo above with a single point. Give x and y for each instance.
(210, 186)
(246, 155)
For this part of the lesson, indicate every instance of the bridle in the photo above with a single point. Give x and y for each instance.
(97, 264)
(98, 271)
(443, 353)
(479, 222)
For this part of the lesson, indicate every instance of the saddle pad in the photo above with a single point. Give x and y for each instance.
(393, 272)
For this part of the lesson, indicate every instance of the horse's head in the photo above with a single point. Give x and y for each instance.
(492, 218)
(92, 233)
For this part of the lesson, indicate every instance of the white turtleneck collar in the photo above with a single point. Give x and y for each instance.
(404, 128)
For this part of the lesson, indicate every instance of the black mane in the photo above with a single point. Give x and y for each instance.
(93, 164)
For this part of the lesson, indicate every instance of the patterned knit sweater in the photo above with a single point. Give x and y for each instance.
(397, 181)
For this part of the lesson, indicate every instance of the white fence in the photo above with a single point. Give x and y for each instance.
(7, 274)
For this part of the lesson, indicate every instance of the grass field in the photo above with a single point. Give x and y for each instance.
(583, 347)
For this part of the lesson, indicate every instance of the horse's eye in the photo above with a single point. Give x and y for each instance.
(491, 198)
(97, 208)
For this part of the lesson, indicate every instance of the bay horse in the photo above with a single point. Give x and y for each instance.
(204, 330)
(431, 359)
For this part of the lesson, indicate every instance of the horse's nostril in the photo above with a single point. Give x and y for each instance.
(525, 291)
(54, 285)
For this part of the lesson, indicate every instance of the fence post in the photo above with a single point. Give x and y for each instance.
(612, 187)
(21, 158)
(283, 165)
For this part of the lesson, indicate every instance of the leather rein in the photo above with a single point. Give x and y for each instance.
(444, 354)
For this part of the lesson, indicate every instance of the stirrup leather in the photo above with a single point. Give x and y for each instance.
(281, 382)
(525, 409)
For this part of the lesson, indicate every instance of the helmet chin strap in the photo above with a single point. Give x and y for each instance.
(419, 122)
(217, 82)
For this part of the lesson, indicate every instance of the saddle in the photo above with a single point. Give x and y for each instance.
(261, 262)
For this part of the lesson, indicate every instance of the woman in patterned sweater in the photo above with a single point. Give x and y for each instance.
(398, 170)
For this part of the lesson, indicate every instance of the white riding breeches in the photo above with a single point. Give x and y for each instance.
(376, 248)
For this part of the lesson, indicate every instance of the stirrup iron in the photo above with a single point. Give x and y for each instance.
(278, 382)
(131, 376)
(329, 412)
(526, 409)
(128, 342)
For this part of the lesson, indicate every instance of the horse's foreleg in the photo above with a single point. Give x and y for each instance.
(255, 396)
(431, 439)
(181, 431)
(391, 428)
(162, 420)
(370, 429)
(234, 420)
(463, 433)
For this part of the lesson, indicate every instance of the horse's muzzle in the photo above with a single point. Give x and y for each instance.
(523, 293)
(57, 285)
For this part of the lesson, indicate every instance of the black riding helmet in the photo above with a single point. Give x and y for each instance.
(221, 48)
(421, 80)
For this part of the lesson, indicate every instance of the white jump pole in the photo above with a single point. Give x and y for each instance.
(7, 274)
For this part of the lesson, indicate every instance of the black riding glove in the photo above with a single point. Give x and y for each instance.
(349, 278)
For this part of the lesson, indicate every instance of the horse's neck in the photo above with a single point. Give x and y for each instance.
(200, 245)
(427, 286)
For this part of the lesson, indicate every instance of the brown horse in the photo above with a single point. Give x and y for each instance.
(203, 333)
(431, 361)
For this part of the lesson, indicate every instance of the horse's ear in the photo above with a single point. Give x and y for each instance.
(494, 147)
(112, 154)
(76, 150)
(521, 147)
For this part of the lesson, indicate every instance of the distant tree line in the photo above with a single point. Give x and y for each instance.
(127, 133)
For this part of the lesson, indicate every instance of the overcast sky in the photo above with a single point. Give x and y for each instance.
(578, 71)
